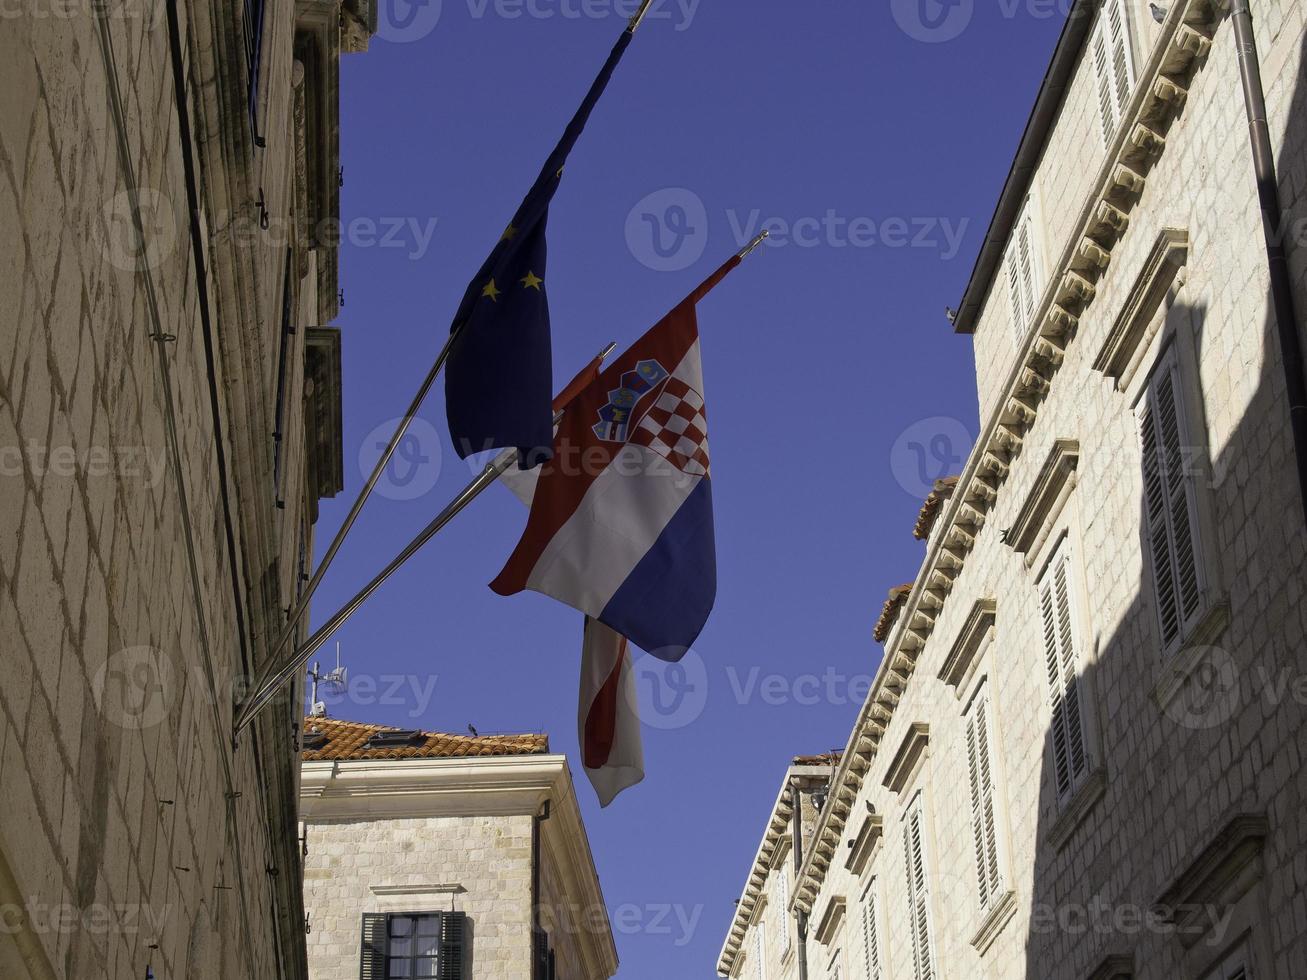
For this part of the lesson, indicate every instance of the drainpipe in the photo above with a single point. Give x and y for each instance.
(1268, 192)
(537, 818)
(797, 848)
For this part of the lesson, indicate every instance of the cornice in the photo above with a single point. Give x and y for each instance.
(483, 786)
(957, 665)
(1184, 40)
(773, 840)
(1055, 479)
(1130, 332)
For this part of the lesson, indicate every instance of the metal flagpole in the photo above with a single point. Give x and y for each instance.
(272, 677)
(639, 16)
(302, 605)
(758, 240)
(264, 675)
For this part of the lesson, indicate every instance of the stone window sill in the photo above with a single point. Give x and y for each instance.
(1192, 655)
(999, 915)
(1078, 807)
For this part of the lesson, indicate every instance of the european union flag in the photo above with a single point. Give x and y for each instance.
(500, 373)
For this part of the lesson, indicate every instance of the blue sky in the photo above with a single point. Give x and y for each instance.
(872, 139)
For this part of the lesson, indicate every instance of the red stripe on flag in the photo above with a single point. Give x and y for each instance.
(579, 455)
(601, 720)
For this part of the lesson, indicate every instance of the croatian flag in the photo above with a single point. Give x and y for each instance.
(607, 714)
(621, 523)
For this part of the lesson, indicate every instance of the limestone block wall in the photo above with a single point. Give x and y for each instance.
(135, 836)
(1176, 768)
(477, 865)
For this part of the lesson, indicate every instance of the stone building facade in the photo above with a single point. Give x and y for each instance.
(475, 842)
(1082, 753)
(169, 419)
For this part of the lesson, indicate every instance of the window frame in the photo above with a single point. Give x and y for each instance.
(1194, 458)
(1235, 965)
(450, 942)
(916, 810)
(1025, 290)
(1114, 33)
(1062, 554)
(869, 918)
(781, 896)
(981, 700)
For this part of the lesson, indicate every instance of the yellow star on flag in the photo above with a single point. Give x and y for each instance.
(491, 291)
(509, 234)
(532, 281)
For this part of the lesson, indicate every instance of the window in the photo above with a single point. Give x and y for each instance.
(834, 969)
(1024, 277)
(279, 420)
(781, 897)
(914, 847)
(984, 807)
(1170, 505)
(870, 936)
(1114, 70)
(1067, 731)
(543, 966)
(1237, 966)
(412, 945)
(760, 949)
(253, 37)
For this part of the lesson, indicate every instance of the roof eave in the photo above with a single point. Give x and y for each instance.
(1043, 117)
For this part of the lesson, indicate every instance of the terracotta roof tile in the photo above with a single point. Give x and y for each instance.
(831, 758)
(934, 503)
(891, 611)
(345, 741)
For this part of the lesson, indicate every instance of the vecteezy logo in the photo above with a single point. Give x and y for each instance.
(415, 466)
(1209, 695)
(669, 695)
(933, 21)
(927, 451)
(404, 21)
(140, 236)
(134, 688)
(668, 230)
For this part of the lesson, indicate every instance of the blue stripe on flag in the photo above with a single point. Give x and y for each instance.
(663, 604)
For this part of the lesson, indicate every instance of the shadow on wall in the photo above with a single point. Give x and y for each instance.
(1167, 780)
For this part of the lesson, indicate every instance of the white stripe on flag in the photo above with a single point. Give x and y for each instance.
(608, 719)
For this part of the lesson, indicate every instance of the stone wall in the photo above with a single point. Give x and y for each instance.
(477, 865)
(132, 834)
(1195, 755)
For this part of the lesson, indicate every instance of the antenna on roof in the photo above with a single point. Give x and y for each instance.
(336, 681)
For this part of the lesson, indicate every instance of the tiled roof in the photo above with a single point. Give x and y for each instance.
(934, 503)
(891, 611)
(345, 741)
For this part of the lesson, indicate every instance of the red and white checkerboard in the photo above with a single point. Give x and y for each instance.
(676, 428)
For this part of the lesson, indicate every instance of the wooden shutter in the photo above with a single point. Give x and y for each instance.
(782, 887)
(984, 819)
(914, 847)
(1118, 39)
(1022, 273)
(453, 927)
(1070, 757)
(1170, 511)
(372, 962)
(1113, 65)
(870, 937)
